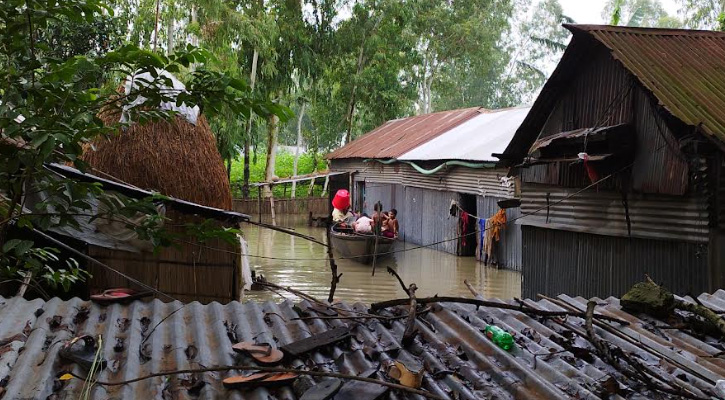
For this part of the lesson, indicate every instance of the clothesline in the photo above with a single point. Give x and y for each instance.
(455, 203)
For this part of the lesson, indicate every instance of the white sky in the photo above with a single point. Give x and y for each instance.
(590, 11)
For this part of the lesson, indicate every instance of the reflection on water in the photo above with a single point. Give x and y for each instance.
(434, 272)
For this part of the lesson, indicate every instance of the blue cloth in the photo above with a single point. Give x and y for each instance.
(482, 230)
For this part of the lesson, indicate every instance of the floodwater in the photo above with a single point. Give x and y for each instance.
(305, 268)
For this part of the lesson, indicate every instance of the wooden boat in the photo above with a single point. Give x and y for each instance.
(359, 247)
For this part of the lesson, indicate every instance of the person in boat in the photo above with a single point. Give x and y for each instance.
(379, 217)
(364, 224)
(391, 226)
(341, 214)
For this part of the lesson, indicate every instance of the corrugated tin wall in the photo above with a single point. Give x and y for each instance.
(424, 218)
(481, 182)
(509, 251)
(682, 218)
(605, 94)
(588, 265)
(659, 166)
(600, 85)
(422, 214)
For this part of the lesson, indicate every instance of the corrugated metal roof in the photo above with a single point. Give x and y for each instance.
(550, 360)
(476, 139)
(685, 69)
(182, 205)
(396, 137)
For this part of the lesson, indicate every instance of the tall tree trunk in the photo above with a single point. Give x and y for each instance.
(428, 108)
(360, 62)
(194, 39)
(351, 103)
(297, 149)
(272, 134)
(248, 134)
(170, 29)
(424, 85)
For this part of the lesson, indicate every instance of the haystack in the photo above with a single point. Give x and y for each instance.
(175, 158)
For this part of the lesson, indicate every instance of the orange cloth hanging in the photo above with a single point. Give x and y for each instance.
(498, 222)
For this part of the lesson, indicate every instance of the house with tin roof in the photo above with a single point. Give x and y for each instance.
(426, 165)
(621, 164)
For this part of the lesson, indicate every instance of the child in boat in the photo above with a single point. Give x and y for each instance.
(364, 224)
(391, 226)
(379, 217)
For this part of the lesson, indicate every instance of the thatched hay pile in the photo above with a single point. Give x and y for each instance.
(177, 159)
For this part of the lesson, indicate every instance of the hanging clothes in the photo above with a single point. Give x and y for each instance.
(498, 223)
(492, 235)
(487, 242)
(480, 238)
(463, 223)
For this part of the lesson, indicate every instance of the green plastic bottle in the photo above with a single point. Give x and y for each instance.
(499, 336)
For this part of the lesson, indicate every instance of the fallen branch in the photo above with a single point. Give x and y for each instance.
(333, 268)
(634, 342)
(492, 304)
(640, 370)
(295, 292)
(472, 290)
(410, 331)
(305, 296)
(400, 280)
(271, 369)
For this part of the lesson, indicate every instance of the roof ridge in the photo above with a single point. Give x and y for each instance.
(642, 30)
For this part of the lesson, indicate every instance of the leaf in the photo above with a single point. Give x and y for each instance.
(23, 247)
(10, 244)
(65, 377)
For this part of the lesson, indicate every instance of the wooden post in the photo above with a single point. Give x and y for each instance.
(271, 205)
(259, 202)
(324, 188)
(24, 286)
(312, 187)
(284, 195)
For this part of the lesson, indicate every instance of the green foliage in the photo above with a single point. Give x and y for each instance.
(644, 13)
(59, 92)
(702, 14)
(283, 168)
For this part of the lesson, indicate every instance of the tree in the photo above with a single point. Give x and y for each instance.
(644, 13)
(368, 79)
(703, 14)
(49, 109)
(538, 40)
(455, 36)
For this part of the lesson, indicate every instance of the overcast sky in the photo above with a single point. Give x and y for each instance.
(590, 11)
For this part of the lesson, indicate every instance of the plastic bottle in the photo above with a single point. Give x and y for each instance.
(499, 336)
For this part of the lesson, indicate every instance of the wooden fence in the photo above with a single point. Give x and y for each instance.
(319, 206)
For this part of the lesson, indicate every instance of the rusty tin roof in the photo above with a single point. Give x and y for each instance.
(550, 360)
(396, 137)
(685, 69)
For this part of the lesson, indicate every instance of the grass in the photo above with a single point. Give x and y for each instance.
(283, 167)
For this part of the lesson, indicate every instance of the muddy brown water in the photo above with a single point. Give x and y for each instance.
(434, 272)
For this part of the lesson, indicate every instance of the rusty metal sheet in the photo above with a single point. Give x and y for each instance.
(396, 137)
(683, 69)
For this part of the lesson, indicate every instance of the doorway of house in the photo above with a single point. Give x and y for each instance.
(467, 225)
(359, 197)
